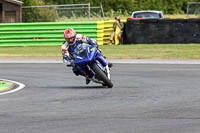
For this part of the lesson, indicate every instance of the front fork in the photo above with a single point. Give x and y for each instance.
(105, 69)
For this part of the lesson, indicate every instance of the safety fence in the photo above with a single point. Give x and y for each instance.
(162, 31)
(52, 33)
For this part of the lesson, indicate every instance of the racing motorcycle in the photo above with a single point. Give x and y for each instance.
(92, 64)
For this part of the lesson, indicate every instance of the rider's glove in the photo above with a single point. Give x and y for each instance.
(68, 63)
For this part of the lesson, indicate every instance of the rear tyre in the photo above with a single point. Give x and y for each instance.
(102, 76)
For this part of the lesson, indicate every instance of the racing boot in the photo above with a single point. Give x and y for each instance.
(87, 81)
(77, 73)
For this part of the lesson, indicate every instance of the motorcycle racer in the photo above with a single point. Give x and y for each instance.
(72, 40)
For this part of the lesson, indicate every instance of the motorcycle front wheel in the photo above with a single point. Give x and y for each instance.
(102, 76)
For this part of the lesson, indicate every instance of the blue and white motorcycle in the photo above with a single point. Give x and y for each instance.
(92, 64)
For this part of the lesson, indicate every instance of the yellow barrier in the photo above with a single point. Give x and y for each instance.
(105, 28)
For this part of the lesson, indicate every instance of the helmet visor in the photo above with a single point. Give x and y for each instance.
(70, 40)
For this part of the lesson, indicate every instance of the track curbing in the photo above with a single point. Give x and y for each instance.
(7, 86)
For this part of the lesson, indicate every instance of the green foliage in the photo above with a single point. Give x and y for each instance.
(38, 14)
(167, 6)
(117, 7)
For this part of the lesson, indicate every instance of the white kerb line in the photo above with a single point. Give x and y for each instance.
(21, 86)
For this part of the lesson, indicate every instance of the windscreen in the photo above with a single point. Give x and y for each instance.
(147, 15)
(81, 50)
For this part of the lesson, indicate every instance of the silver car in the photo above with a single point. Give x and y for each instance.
(147, 14)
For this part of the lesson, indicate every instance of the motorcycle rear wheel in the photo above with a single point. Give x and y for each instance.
(102, 76)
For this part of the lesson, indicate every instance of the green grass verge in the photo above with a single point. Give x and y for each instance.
(153, 51)
(139, 51)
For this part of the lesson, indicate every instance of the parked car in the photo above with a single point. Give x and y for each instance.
(147, 14)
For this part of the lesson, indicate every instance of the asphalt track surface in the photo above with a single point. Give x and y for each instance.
(146, 98)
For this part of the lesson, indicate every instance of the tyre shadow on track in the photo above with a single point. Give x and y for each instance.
(79, 87)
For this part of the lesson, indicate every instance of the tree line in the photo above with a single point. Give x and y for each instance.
(167, 6)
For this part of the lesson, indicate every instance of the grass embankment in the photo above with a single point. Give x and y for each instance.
(139, 51)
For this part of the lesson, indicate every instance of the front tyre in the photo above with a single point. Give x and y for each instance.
(102, 76)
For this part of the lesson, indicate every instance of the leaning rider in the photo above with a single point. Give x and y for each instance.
(68, 46)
